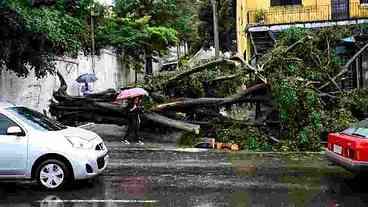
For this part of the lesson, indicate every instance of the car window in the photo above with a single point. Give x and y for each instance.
(35, 119)
(5, 123)
(362, 132)
(358, 129)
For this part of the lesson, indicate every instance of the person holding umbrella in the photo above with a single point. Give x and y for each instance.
(135, 108)
(86, 79)
(134, 121)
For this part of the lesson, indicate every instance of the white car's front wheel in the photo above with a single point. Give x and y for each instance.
(53, 174)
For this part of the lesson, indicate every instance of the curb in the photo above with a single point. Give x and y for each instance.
(152, 147)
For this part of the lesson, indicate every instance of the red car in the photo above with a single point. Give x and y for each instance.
(349, 148)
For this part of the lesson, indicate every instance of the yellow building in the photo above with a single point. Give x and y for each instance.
(269, 15)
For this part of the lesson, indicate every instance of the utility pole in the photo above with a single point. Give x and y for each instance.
(215, 28)
(93, 39)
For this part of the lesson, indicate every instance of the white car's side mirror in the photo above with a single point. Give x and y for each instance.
(15, 131)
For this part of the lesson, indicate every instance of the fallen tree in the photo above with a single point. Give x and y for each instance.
(100, 108)
(295, 93)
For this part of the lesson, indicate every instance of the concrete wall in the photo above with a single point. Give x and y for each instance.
(36, 93)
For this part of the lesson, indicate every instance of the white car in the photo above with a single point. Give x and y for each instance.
(33, 146)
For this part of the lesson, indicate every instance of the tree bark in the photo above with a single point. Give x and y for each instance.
(171, 122)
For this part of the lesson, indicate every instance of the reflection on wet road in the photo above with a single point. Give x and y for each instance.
(155, 177)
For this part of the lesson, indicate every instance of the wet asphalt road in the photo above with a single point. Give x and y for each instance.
(160, 174)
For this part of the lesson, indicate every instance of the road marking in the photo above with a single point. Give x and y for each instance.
(97, 201)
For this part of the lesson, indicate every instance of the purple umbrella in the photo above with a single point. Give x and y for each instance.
(86, 78)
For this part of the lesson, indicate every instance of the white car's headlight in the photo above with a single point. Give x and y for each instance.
(79, 143)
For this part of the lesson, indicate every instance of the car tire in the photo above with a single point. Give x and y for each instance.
(52, 174)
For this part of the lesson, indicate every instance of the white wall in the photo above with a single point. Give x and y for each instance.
(36, 93)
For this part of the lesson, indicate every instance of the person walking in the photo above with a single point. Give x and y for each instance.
(135, 109)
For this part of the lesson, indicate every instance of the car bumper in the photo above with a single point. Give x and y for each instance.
(90, 166)
(349, 164)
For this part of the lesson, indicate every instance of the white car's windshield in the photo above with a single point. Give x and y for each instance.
(35, 119)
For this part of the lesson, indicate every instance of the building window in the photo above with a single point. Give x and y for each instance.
(288, 2)
(364, 1)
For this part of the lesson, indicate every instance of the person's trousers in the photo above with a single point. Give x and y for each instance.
(133, 127)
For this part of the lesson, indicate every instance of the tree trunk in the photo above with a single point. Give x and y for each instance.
(189, 103)
(172, 123)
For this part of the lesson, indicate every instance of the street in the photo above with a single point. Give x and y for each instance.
(160, 174)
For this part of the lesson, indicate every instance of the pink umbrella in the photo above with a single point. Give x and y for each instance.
(131, 93)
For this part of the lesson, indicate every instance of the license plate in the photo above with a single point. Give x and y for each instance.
(337, 149)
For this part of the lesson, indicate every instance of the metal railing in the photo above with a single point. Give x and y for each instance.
(298, 13)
